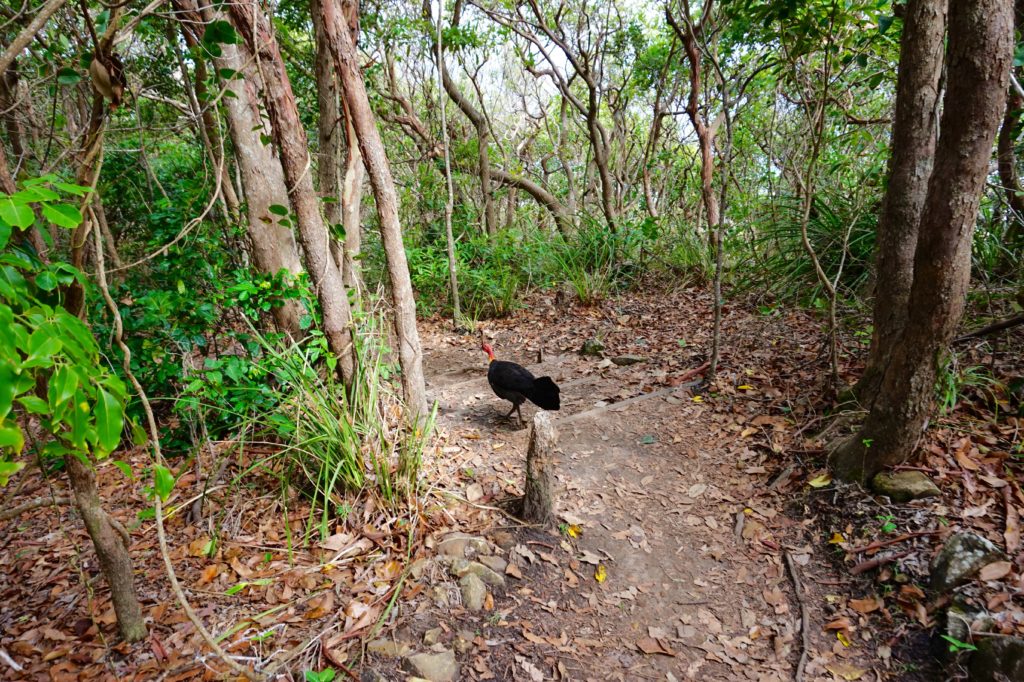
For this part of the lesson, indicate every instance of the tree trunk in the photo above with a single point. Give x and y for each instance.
(342, 42)
(910, 166)
(329, 135)
(979, 56)
(293, 151)
(351, 203)
(539, 194)
(1007, 157)
(538, 502)
(273, 244)
(115, 563)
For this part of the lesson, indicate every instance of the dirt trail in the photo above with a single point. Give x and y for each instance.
(656, 481)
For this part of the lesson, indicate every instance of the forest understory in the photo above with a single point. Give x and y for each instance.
(696, 526)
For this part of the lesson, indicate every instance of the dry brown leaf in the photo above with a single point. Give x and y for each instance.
(650, 645)
(866, 605)
(209, 573)
(513, 571)
(321, 607)
(845, 670)
(966, 462)
(995, 571)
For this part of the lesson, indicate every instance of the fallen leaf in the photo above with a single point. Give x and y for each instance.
(865, 605)
(321, 607)
(995, 571)
(600, 573)
(820, 481)
(650, 645)
(845, 670)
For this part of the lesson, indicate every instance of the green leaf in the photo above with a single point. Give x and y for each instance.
(125, 468)
(8, 389)
(884, 23)
(42, 346)
(34, 404)
(220, 31)
(46, 281)
(5, 234)
(63, 215)
(11, 437)
(16, 213)
(76, 190)
(236, 588)
(63, 385)
(163, 481)
(109, 421)
(8, 469)
(278, 209)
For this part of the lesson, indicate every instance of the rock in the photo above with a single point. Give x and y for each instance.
(461, 545)
(439, 596)
(464, 641)
(474, 492)
(440, 667)
(371, 676)
(591, 347)
(495, 563)
(461, 568)
(903, 486)
(432, 636)
(625, 360)
(503, 539)
(388, 648)
(963, 555)
(963, 618)
(418, 568)
(473, 591)
(998, 658)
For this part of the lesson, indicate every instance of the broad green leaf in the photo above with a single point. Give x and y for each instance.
(8, 469)
(46, 281)
(278, 209)
(68, 76)
(16, 214)
(34, 404)
(63, 215)
(76, 190)
(163, 481)
(11, 437)
(42, 346)
(63, 385)
(8, 388)
(109, 421)
(5, 234)
(125, 468)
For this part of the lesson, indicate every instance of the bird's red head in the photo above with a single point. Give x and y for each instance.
(486, 347)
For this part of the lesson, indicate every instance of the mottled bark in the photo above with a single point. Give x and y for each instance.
(980, 49)
(538, 501)
(262, 179)
(115, 563)
(351, 205)
(910, 166)
(410, 354)
(329, 128)
(292, 147)
(1007, 157)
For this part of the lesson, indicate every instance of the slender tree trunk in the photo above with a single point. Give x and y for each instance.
(351, 203)
(115, 563)
(1007, 157)
(293, 150)
(339, 33)
(449, 204)
(329, 134)
(273, 244)
(979, 55)
(910, 166)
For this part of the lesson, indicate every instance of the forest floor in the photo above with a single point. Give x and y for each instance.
(697, 538)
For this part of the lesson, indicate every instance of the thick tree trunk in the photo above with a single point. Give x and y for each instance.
(410, 354)
(115, 563)
(910, 166)
(293, 150)
(979, 55)
(273, 245)
(538, 502)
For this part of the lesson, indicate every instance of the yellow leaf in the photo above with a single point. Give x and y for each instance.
(837, 539)
(841, 636)
(574, 530)
(600, 573)
(698, 399)
(745, 387)
(820, 481)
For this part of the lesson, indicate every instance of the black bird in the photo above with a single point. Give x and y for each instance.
(516, 384)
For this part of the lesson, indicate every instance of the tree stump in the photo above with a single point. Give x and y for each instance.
(538, 503)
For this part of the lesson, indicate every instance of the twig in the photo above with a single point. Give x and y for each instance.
(7, 514)
(10, 661)
(992, 328)
(805, 631)
(885, 543)
(876, 562)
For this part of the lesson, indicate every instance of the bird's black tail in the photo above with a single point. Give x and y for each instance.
(544, 394)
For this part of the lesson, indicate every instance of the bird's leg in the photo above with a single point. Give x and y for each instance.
(514, 408)
(522, 424)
